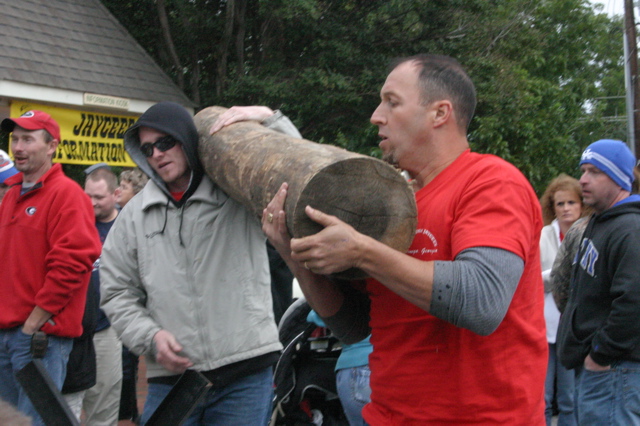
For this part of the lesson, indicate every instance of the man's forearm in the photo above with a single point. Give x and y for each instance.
(408, 277)
(324, 296)
(351, 323)
(36, 320)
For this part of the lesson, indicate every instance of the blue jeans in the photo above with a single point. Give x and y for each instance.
(245, 402)
(560, 383)
(610, 397)
(354, 392)
(15, 353)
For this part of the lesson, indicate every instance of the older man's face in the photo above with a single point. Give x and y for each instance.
(598, 189)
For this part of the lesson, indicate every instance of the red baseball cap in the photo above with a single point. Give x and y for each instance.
(33, 120)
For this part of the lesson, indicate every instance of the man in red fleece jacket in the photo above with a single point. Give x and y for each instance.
(49, 245)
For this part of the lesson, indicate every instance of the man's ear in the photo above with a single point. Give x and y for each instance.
(53, 144)
(443, 112)
(117, 192)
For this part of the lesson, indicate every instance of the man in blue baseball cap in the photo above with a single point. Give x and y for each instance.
(7, 169)
(599, 332)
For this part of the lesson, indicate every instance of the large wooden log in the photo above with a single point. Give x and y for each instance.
(250, 162)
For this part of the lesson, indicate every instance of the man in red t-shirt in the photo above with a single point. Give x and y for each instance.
(457, 322)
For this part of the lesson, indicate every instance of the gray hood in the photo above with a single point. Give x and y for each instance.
(174, 120)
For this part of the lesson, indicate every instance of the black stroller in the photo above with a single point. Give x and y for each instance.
(304, 377)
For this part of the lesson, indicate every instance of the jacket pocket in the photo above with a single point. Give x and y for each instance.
(571, 350)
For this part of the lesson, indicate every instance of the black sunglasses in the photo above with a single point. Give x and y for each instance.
(163, 144)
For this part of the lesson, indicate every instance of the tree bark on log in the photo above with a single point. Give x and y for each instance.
(250, 162)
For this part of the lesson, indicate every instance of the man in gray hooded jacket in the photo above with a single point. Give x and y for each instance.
(185, 276)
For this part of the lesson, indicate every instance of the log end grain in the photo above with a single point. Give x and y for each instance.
(366, 193)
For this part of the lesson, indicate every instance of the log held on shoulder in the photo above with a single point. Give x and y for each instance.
(250, 162)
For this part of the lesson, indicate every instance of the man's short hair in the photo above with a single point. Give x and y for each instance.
(136, 178)
(104, 174)
(442, 77)
(48, 137)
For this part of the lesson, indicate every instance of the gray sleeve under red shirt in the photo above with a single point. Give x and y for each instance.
(474, 292)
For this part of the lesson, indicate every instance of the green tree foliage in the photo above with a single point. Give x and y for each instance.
(545, 70)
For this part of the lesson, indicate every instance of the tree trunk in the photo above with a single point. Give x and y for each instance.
(250, 162)
(195, 78)
(222, 49)
(168, 39)
(241, 25)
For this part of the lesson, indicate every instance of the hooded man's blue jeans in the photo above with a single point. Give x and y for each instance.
(245, 402)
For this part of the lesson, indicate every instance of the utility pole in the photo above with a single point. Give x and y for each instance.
(633, 89)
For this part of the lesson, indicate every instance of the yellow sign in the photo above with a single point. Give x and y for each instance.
(87, 137)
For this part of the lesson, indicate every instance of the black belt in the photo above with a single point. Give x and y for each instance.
(227, 374)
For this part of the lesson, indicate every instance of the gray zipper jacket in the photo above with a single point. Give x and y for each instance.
(198, 269)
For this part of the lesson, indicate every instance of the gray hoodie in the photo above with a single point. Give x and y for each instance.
(197, 267)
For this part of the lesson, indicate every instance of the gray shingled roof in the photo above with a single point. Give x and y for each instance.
(78, 45)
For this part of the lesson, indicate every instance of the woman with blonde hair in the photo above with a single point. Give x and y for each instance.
(561, 206)
(131, 182)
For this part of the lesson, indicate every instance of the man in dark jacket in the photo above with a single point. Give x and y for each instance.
(599, 331)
